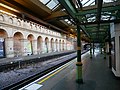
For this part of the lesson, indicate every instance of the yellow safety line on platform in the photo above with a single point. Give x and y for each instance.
(53, 74)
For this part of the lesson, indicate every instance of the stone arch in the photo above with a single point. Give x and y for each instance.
(39, 44)
(3, 35)
(24, 36)
(18, 22)
(17, 45)
(47, 44)
(52, 44)
(30, 37)
(1, 18)
(30, 44)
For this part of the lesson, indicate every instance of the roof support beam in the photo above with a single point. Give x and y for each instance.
(111, 4)
(69, 6)
(56, 14)
(102, 22)
(93, 9)
(98, 17)
(99, 9)
(28, 15)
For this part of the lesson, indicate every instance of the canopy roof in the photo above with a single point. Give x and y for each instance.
(93, 16)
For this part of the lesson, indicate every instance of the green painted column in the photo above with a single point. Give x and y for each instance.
(79, 63)
(93, 48)
(90, 50)
(104, 51)
(101, 48)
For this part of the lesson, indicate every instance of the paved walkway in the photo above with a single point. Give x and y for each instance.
(96, 76)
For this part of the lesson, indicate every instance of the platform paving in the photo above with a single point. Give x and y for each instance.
(96, 76)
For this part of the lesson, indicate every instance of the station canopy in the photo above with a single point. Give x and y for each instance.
(93, 16)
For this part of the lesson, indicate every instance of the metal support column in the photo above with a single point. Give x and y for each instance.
(101, 48)
(110, 59)
(90, 50)
(104, 51)
(93, 48)
(79, 63)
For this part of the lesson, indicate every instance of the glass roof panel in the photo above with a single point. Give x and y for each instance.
(91, 2)
(87, 2)
(44, 1)
(107, 1)
(52, 4)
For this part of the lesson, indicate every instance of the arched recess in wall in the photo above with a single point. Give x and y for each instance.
(18, 36)
(56, 45)
(10, 21)
(31, 26)
(18, 23)
(3, 35)
(1, 18)
(39, 44)
(46, 44)
(52, 44)
(63, 43)
(30, 44)
(59, 45)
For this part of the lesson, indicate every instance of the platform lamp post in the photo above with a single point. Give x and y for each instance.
(79, 63)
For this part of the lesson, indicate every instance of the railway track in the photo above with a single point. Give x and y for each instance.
(32, 78)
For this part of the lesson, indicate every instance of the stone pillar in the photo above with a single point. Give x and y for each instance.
(57, 46)
(66, 46)
(24, 47)
(9, 47)
(49, 47)
(62, 46)
(34, 46)
(54, 46)
(45, 47)
(41, 49)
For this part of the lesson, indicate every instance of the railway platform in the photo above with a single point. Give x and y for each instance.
(96, 76)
